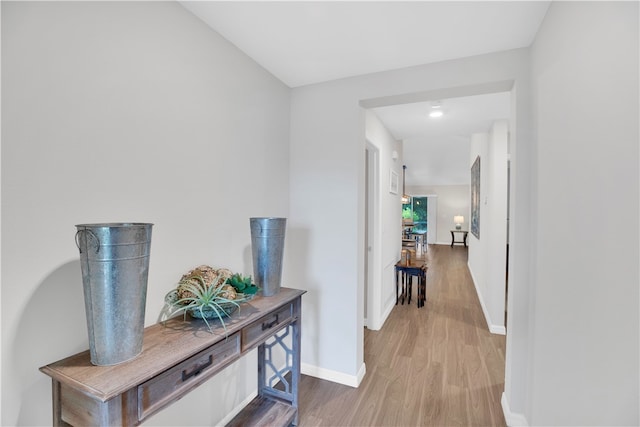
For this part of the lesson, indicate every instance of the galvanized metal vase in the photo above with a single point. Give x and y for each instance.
(115, 264)
(267, 249)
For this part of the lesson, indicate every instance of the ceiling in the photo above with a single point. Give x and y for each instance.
(436, 150)
(307, 42)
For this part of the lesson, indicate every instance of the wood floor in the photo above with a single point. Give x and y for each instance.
(433, 366)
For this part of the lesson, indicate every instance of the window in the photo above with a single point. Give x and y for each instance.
(416, 209)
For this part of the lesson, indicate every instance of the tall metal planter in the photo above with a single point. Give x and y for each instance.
(267, 249)
(115, 265)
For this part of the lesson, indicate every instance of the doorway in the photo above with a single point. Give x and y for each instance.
(440, 157)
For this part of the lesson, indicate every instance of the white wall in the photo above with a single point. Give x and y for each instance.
(390, 221)
(586, 326)
(452, 200)
(478, 254)
(487, 255)
(327, 169)
(126, 111)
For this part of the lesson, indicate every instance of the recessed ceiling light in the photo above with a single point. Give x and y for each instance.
(436, 109)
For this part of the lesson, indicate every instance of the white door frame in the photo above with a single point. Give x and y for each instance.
(432, 218)
(372, 236)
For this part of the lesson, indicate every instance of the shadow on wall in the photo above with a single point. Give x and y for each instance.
(53, 326)
(247, 263)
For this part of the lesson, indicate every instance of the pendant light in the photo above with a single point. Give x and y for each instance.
(405, 198)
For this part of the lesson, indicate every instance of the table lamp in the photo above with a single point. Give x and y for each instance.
(458, 219)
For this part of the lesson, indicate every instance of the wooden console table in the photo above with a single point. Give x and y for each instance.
(177, 356)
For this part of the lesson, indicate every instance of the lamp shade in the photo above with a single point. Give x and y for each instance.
(458, 219)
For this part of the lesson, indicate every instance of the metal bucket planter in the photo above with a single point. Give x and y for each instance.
(267, 249)
(115, 264)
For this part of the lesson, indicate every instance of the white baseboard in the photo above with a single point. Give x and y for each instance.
(377, 326)
(361, 373)
(498, 330)
(512, 419)
(494, 329)
(335, 376)
(387, 311)
(226, 420)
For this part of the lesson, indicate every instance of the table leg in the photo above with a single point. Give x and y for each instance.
(271, 373)
(397, 286)
(296, 368)
(424, 288)
(452, 239)
(57, 405)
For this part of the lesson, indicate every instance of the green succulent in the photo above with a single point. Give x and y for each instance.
(243, 284)
(203, 300)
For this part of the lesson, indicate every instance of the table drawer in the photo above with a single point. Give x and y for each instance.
(266, 326)
(178, 380)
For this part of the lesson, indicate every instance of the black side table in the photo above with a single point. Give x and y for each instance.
(464, 237)
(405, 273)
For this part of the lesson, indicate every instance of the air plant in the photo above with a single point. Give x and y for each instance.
(204, 293)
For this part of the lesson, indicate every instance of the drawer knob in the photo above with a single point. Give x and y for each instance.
(269, 325)
(197, 370)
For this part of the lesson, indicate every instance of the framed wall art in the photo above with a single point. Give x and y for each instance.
(394, 182)
(475, 198)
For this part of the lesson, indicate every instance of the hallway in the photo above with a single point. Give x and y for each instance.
(434, 366)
